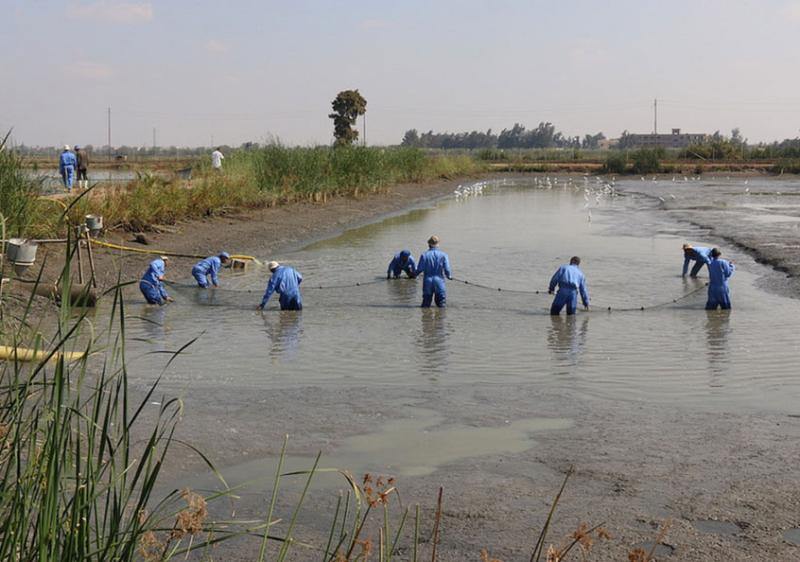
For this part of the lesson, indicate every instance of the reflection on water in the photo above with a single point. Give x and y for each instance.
(717, 330)
(284, 329)
(566, 337)
(432, 343)
(380, 336)
(154, 319)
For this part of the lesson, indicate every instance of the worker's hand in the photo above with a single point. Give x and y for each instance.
(388, 276)
(550, 291)
(216, 286)
(260, 307)
(586, 307)
(450, 278)
(170, 299)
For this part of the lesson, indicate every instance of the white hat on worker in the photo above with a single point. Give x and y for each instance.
(66, 147)
(273, 265)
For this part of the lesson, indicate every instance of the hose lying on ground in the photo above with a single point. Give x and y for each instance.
(163, 253)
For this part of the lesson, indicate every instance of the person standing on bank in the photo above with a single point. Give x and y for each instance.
(285, 281)
(719, 271)
(67, 163)
(83, 165)
(434, 265)
(571, 281)
(216, 159)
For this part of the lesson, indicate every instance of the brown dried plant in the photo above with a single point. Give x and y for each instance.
(190, 520)
(486, 558)
(150, 548)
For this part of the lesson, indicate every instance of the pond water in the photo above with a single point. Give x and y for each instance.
(513, 236)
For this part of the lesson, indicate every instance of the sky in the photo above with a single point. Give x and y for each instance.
(204, 72)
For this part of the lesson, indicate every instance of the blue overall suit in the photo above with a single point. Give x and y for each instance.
(435, 266)
(67, 163)
(570, 281)
(206, 267)
(719, 271)
(285, 281)
(151, 286)
(701, 256)
(402, 262)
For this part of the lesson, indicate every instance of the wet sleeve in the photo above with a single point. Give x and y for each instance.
(162, 289)
(584, 292)
(686, 261)
(554, 280)
(215, 272)
(389, 269)
(269, 291)
(447, 267)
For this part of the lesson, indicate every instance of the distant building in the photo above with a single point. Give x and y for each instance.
(676, 139)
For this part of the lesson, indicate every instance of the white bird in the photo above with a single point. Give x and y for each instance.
(672, 196)
(661, 199)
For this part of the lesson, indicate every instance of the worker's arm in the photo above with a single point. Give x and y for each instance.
(299, 277)
(411, 267)
(268, 292)
(390, 268)
(215, 264)
(686, 260)
(584, 292)
(554, 281)
(447, 272)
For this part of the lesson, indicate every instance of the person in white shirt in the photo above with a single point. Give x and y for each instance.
(216, 159)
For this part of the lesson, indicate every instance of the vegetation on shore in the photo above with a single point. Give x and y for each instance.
(273, 175)
(266, 176)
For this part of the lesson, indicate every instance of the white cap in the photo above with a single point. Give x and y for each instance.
(66, 147)
(273, 265)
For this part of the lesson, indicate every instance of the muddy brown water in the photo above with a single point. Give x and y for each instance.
(513, 237)
(382, 386)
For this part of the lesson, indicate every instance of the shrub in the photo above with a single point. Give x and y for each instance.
(616, 163)
(647, 160)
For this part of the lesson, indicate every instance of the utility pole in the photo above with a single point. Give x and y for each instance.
(655, 116)
(154, 141)
(109, 133)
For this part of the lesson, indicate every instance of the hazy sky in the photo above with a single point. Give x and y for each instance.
(242, 70)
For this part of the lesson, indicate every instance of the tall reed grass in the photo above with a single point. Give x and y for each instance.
(17, 191)
(267, 176)
(292, 173)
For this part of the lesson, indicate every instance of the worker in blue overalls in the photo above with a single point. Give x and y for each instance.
(699, 254)
(571, 281)
(434, 265)
(210, 267)
(285, 281)
(67, 163)
(402, 261)
(719, 271)
(151, 285)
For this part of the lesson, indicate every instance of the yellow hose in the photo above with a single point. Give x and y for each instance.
(9, 353)
(162, 253)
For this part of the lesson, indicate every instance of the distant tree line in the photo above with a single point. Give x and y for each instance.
(543, 136)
